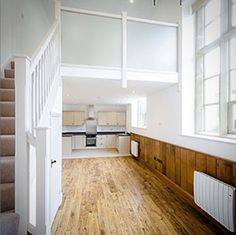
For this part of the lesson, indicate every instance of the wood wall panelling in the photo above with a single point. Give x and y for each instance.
(201, 162)
(170, 162)
(226, 171)
(177, 165)
(211, 165)
(190, 170)
(158, 156)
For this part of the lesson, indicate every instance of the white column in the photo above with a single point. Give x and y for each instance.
(22, 79)
(124, 50)
(42, 181)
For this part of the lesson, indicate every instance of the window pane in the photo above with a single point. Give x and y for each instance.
(212, 11)
(200, 28)
(212, 63)
(212, 31)
(212, 90)
(233, 85)
(212, 118)
(91, 40)
(152, 47)
(234, 14)
(233, 53)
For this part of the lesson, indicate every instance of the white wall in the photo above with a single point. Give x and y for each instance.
(164, 123)
(24, 24)
(6, 24)
(165, 10)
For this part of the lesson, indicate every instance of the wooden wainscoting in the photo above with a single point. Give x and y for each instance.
(176, 165)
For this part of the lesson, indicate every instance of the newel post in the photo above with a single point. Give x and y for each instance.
(42, 181)
(22, 79)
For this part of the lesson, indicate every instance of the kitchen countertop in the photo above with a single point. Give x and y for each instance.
(122, 133)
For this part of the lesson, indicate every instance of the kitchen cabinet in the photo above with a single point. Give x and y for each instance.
(123, 144)
(121, 118)
(73, 118)
(106, 141)
(111, 118)
(67, 118)
(66, 145)
(78, 141)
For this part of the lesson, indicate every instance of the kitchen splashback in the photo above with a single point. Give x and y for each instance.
(110, 128)
(74, 128)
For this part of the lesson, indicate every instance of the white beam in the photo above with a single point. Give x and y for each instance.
(86, 12)
(115, 73)
(151, 21)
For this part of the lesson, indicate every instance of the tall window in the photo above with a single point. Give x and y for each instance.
(139, 113)
(216, 68)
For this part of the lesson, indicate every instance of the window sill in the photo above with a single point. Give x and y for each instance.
(137, 127)
(230, 138)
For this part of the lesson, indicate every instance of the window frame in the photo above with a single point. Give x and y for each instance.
(140, 120)
(227, 32)
(230, 121)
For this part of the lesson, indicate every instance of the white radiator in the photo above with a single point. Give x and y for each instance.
(216, 198)
(134, 148)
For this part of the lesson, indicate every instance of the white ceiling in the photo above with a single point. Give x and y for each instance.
(106, 91)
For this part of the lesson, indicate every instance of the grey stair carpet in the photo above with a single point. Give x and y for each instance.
(9, 223)
(7, 83)
(8, 220)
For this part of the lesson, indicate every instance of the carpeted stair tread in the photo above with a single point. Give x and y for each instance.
(7, 192)
(7, 170)
(12, 65)
(7, 94)
(9, 73)
(9, 221)
(7, 145)
(7, 125)
(7, 109)
(7, 83)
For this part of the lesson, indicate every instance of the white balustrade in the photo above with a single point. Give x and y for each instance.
(35, 78)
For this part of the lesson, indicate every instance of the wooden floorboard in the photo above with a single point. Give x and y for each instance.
(121, 196)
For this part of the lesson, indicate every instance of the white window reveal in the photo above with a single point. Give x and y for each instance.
(139, 110)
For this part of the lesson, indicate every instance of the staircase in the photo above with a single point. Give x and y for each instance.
(7, 141)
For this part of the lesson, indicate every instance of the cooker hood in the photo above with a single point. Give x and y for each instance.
(91, 112)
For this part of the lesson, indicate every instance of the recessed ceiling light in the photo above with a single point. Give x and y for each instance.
(131, 1)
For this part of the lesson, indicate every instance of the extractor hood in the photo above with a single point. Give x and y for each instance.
(91, 112)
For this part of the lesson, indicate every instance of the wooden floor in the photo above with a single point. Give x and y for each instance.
(120, 196)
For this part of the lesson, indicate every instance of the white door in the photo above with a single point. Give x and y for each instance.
(56, 162)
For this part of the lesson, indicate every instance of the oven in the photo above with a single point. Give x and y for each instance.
(91, 140)
(91, 133)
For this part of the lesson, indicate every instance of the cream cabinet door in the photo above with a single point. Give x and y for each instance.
(78, 141)
(112, 141)
(79, 118)
(101, 141)
(73, 118)
(67, 118)
(121, 118)
(102, 118)
(112, 118)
